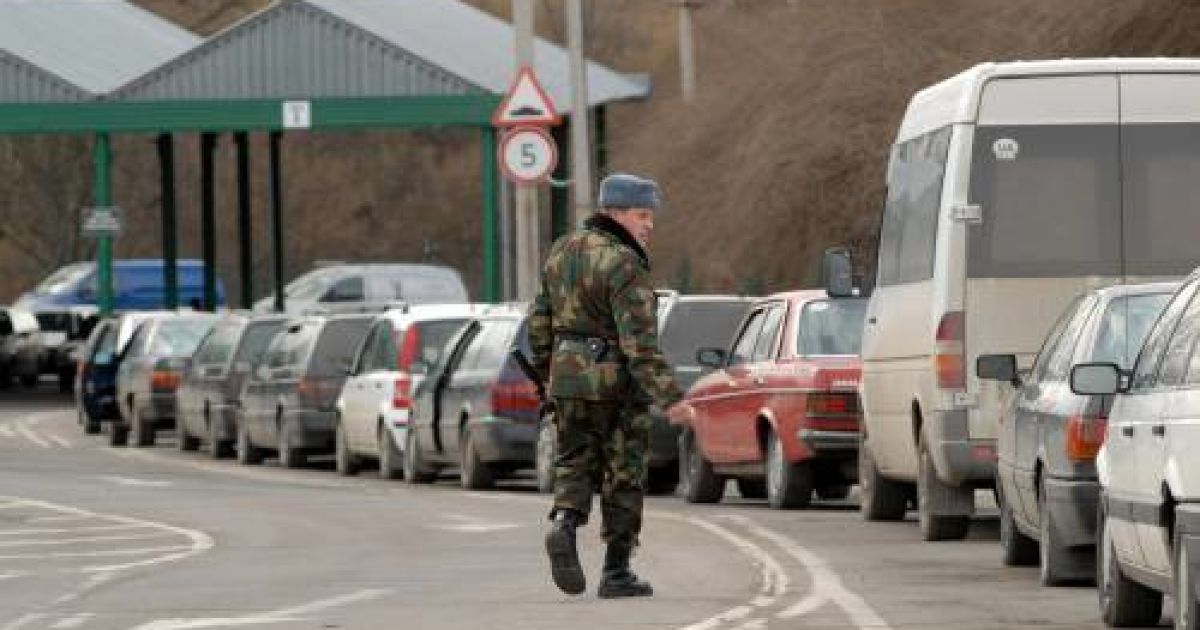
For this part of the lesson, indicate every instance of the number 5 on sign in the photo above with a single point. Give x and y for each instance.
(528, 155)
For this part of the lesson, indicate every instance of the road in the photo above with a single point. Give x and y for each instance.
(93, 537)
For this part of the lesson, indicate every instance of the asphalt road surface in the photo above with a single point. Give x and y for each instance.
(93, 537)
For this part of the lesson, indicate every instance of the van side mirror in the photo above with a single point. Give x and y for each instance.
(998, 367)
(1097, 379)
(713, 358)
(837, 272)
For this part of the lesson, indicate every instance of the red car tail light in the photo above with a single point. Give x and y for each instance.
(949, 364)
(164, 380)
(402, 392)
(1084, 436)
(515, 397)
(832, 404)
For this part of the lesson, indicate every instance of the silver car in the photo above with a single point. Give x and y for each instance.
(368, 287)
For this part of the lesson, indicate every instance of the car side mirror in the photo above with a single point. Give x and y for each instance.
(1097, 379)
(998, 367)
(713, 358)
(837, 271)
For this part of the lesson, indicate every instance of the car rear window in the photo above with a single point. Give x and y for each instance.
(693, 325)
(179, 337)
(336, 345)
(1124, 326)
(432, 338)
(219, 345)
(255, 340)
(831, 327)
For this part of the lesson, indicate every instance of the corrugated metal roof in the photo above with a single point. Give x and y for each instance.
(350, 48)
(22, 82)
(94, 45)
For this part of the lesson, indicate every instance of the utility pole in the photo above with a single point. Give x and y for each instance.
(687, 50)
(525, 211)
(581, 146)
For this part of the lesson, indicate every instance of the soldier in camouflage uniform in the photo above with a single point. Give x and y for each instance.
(594, 334)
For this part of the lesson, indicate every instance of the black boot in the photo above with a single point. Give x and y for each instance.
(619, 580)
(564, 559)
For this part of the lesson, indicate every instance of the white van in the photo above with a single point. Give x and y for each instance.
(1012, 188)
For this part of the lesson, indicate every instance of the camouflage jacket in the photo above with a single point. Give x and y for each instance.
(596, 283)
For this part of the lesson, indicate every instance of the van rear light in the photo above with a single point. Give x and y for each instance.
(162, 380)
(832, 404)
(402, 392)
(949, 364)
(515, 397)
(1085, 436)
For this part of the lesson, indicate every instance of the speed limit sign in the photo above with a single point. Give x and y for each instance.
(528, 155)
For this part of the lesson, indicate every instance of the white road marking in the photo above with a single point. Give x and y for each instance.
(102, 554)
(826, 582)
(65, 530)
(133, 481)
(92, 582)
(7, 432)
(473, 525)
(72, 541)
(74, 621)
(753, 624)
(31, 436)
(8, 575)
(23, 621)
(58, 440)
(58, 519)
(276, 616)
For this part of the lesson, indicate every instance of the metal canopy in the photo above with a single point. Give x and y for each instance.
(94, 46)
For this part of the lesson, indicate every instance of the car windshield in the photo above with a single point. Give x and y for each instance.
(831, 327)
(692, 325)
(179, 337)
(1124, 327)
(64, 279)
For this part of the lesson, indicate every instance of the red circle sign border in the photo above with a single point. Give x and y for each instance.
(508, 137)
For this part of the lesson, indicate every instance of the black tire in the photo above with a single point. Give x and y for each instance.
(141, 433)
(935, 527)
(186, 442)
(30, 381)
(1187, 609)
(545, 453)
(247, 453)
(416, 471)
(789, 486)
(217, 448)
(833, 492)
(697, 481)
(345, 461)
(752, 488)
(1016, 549)
(391, 461)
(1058, 563)
(880, 499)
(1123, 602)
(289, 455)
(662, 480)
(118, 433)
(90, 425)
(474, 473)
(66, 381)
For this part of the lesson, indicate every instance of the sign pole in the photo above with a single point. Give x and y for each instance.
(525, 212)
(581, 146)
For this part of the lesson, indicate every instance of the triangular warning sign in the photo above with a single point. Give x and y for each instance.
(525, 103)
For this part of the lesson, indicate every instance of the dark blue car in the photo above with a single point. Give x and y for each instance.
(138, 285)
(96, 376)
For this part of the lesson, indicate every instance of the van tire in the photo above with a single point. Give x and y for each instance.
(935, 527)
(698, 483)
(880, 498)
(1123, 602)
(1016, 549)
(789, 485)
(1060, 564)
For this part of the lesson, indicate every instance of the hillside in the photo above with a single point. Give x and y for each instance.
(781, 154)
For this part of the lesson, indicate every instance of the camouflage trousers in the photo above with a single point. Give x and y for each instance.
(602, 448)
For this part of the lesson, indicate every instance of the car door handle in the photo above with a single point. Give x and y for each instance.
(1127, 431)
(1158, 430)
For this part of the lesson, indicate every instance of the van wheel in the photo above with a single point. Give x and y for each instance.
(545, 454)
(141, 432)
(1187, 610)
(290, 455)
(936, 527)
(475, 474)
(880, 499)
(1017, 549)
(391, 462)
(346, 462)
(247, 453)
(415, 468)
(752, 488)
(1123, 602)
(697, 481)
(1059, 563)
(789, 485)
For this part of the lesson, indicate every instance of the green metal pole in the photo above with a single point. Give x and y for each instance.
(276, 175)
(560, 196)
(491, 253)
(102, 198)
(208, 219)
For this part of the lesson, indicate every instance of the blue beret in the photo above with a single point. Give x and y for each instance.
(622, 190)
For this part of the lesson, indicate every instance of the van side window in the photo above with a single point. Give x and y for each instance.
(743, 348)
(909, 228)
(346, 290)
(1179, 348)
(1146, 369)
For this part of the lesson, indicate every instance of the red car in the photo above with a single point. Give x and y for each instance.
(780, 412)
